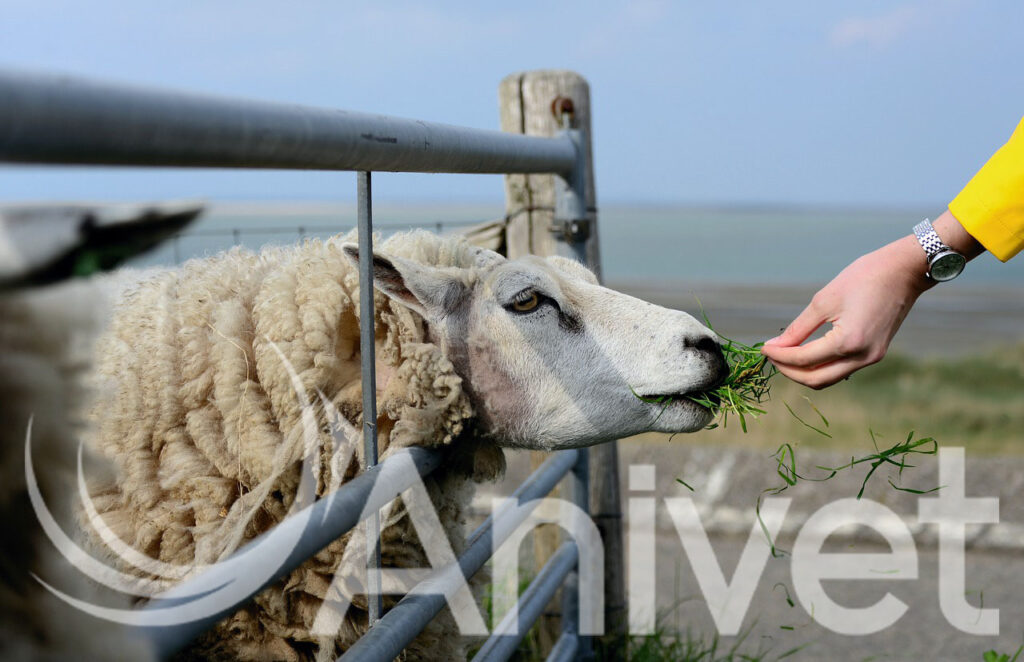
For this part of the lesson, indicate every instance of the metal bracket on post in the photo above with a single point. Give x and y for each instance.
(571, 223)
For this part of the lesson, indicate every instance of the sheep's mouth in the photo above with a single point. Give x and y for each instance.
(699, 398)
(705, 396)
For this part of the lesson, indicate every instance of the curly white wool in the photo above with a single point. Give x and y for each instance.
(199, 414)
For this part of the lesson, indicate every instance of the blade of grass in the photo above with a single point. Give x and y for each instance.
(817, 411)
(805, 423)
(684, 484)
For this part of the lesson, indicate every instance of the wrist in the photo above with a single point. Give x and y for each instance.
(910, 262)
(956, 237)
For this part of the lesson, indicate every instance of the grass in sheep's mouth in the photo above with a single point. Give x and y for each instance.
(742, 394)
(744, 390)
(708, 400)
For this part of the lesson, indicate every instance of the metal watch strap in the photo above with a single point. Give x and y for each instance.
(928, 238)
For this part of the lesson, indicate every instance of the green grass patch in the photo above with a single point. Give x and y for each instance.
(995, 656)
(689, 646)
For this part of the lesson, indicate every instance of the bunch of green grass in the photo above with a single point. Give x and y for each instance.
(742, 394)
(747, 387)
(745, 390)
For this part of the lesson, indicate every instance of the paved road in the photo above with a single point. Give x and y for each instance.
(922, 633)
(726, 484)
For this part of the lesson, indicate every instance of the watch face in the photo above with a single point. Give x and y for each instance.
(947, 266)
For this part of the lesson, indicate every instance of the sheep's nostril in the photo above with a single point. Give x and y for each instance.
(711, 353)
(721, 367)
(709, 345)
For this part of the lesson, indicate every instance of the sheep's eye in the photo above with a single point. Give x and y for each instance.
(525, 302)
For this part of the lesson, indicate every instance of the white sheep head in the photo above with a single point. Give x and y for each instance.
(550, 358)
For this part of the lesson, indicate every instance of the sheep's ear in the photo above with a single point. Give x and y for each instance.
(483, 257)
(429, 291)
(573, 268)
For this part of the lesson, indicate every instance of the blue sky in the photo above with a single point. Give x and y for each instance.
(831, 103)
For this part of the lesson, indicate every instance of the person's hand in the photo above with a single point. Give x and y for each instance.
(865, 304)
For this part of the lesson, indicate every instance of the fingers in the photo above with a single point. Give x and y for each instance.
(823, 376)
(799, 329)
(822, 362)
(817, 352)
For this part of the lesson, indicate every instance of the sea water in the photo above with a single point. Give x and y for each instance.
(639, 243)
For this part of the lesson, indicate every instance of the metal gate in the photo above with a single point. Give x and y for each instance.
(57, 120)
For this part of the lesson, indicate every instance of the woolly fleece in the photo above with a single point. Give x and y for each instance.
(199, 414)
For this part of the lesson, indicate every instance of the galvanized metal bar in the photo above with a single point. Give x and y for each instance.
(368, 357)
(576, 236)
(572, 218)
(564, 649)
(514, 626)
(304, 534)
(59, 119)
(537, 485)
(403, 622)
(577, 492)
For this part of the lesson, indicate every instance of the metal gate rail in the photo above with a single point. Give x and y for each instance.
(56, 119)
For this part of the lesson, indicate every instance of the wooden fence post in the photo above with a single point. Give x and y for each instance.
(526, 101)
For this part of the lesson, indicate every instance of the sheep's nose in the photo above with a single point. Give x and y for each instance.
(710, 353)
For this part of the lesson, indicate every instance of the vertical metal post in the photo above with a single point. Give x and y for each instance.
(367, 351)
(578, 492)
(574, 229)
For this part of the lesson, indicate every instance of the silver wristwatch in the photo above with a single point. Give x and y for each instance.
(944, 263)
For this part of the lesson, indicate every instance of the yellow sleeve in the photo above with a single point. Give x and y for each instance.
(991, 206)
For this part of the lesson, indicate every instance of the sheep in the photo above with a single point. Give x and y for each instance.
(474, 352)
(45, 339)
